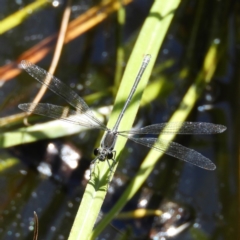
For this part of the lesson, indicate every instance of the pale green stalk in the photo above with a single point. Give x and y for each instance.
(149, 41)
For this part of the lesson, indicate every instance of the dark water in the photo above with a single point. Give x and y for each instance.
(40, 176)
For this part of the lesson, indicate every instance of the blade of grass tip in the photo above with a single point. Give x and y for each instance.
(17, 18)
(139, 213)
(148, 42)
(35, 233)
(189, 100)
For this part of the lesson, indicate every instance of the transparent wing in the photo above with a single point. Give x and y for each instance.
(176, 150)
(179, 128)
(63, 113)
(59, 88)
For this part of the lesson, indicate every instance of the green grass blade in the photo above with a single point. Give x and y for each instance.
(148, 42)
(17, 18)
(180, 115)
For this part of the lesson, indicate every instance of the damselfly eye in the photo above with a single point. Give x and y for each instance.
(110, 155)
(96, 151)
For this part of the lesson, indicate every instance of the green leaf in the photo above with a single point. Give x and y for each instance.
(48, 130)
(149, 41)
(17, 18)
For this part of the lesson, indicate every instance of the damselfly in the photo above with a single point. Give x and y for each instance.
(82, 115)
